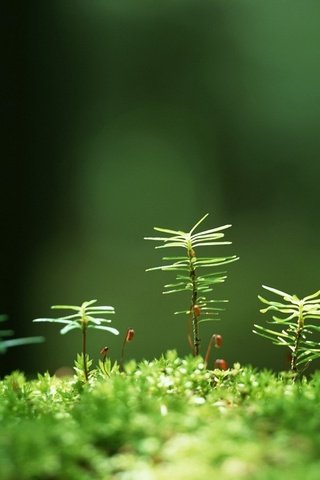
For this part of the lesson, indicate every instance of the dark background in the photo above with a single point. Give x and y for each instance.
(119, 116)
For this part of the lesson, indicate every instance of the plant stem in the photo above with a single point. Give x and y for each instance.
(190, 334)
(122, 353)
(300, 326)
(194, 317)
(210, 345)
(84, 351)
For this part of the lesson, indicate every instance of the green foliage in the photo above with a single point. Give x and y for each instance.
(106, 368)
(87, 316)
(84, 318)
(296, 326)
(187, 267)
(83, 364)
(169, 418)
(14, 342)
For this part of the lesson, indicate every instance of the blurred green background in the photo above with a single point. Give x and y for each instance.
(124, 115)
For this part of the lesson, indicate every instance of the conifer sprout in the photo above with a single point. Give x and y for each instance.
(296, 327)
(189, 278)
(86, 316)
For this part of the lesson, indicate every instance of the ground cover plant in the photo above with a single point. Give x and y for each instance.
(168, 418)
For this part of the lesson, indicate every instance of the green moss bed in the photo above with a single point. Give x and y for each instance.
(166, 419)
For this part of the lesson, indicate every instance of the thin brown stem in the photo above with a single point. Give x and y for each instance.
(122, 353)
(190, 334)
(194, 316)
(128, 338)
(84, 352)
(211, 344)
(294, 357)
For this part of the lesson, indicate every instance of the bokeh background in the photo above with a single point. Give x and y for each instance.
(121, 116)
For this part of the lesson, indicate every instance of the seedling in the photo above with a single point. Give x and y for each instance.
(84, 318)
(14, 342)
(297, 327)
(188, 279)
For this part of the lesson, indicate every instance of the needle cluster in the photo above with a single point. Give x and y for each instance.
(296, 326)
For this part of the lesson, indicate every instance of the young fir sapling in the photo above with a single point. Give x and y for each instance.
(86, 316)
(188, 277)
(296, 327)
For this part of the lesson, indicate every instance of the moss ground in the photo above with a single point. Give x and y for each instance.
(166, 419)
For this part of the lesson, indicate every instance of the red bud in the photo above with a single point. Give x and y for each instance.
(196, 310)
(130, 334)
(218, 341)
(104, 351)
(221, 364)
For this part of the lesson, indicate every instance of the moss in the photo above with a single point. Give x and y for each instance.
(169, 418)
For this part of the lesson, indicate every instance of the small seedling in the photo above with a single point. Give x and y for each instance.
(14, 342)
(86, 316)
(188, 279)
(296, 327)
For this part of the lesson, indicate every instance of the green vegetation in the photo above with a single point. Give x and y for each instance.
(297, 327)
(14, 342)
(84, 318)
(188, 278)
(169, 418)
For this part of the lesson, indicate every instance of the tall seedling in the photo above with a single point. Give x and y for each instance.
(189, 269)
